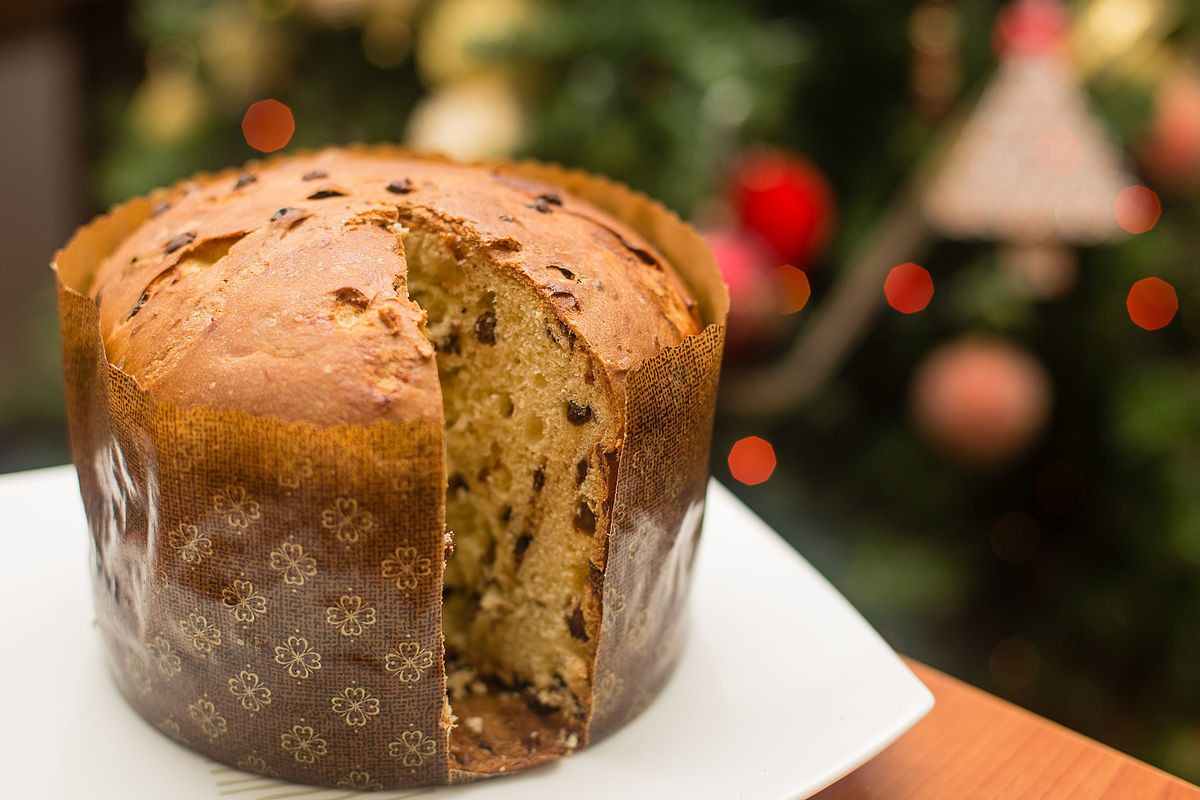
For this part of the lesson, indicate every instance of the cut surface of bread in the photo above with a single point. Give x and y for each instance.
(528, 425)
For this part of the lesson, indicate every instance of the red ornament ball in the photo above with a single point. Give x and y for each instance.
(1171, 147)
(748, 269)
(787, 202)
(980, 401)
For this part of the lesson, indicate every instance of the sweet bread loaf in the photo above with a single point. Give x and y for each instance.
(265, 333)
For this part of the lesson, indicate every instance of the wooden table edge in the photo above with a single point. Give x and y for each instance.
(975, 745)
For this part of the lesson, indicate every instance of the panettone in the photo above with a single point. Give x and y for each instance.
(344, 294)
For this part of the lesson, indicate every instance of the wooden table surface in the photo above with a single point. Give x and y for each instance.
(974, 745)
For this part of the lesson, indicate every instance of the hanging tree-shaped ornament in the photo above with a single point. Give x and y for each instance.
(1032, 167)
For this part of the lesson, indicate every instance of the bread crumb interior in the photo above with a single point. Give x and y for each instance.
(527, 430)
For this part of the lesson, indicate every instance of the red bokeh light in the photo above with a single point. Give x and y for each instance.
(268, 125)
(1137, 209)
(1152, 303)
(751, 460)
(908, 288)
(793, 289)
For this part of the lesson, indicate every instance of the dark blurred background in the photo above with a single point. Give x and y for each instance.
(961, 239)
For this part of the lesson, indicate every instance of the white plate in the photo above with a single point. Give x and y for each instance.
(805, 692)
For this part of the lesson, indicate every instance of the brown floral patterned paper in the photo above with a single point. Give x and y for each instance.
(270, 592)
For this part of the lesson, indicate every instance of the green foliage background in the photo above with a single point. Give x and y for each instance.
(1112, 599)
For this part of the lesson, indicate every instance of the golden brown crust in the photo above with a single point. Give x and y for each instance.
(224, 299)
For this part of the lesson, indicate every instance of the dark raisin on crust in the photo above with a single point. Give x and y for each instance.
(506, 514)
(519, 548)
(179, 240)
(485, 327)
(349, 296)
(245, 179)
(581, 471)
(402, 186)
(315, 175)
(539, 479)
(290, 216)
(325, 194)
(551, 198)
(576, 626)
(566, 273)
(141, 301)
(539, 204)
(577, 414)
(585, 518)
(159, 207)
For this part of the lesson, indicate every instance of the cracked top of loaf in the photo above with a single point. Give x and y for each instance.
(283, 290)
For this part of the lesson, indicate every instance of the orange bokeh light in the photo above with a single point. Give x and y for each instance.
(1137, 209)
(908, 288)
(793, 289)
(751, 460)
(268, 125)
(1152, 303)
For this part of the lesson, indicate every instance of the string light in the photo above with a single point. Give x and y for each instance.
(1015, 537)
(1014, 663)
(908, 288)
(1137, 209)
(268, 125)
(751, 460)
(794, 289)
(1152, 303)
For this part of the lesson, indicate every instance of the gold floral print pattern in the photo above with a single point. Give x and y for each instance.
(250, 691)
(303, 742)
(300, 659)
(360, 780)
(246, 602)
(408, 661)
(639, 629)
(412, 748)
(138, 673)
(204, 634)
(237, 507)
(206, 716)
(171, 728)
(355, 705)
(255, 763)
(406, 566)
(191, 545)
(293, 471)
(290, 561)
(347, 521)
(350, 616)
(162, 652)
(607, 689)
(189, 453)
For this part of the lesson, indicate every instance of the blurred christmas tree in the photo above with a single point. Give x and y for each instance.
(1004, 477)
